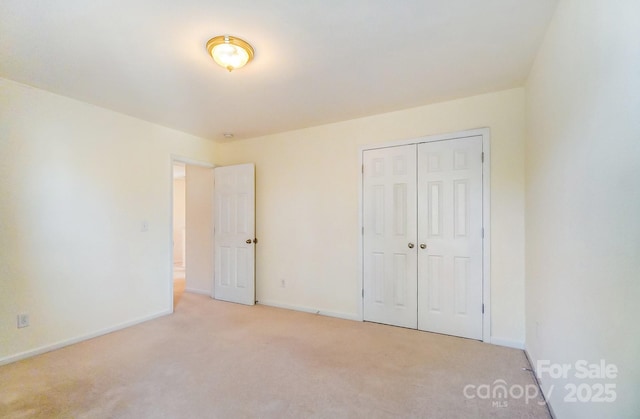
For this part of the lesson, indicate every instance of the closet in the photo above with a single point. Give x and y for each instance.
(422, 209)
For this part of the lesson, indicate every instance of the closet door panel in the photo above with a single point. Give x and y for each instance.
(389, 236)
(450, 237)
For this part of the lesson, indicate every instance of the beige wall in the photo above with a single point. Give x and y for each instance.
(307, 204)
(76, 182)
(583, 201)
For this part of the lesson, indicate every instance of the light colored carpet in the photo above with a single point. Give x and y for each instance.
(212, 359)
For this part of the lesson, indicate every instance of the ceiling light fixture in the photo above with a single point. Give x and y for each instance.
(230, 52)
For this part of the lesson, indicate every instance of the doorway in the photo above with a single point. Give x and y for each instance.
(192, 257)
(179, 231)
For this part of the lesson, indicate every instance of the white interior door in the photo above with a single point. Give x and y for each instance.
(390, 257)
(235, 234)
(450, 237)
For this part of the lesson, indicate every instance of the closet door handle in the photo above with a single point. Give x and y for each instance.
(410, 245)
(248, 241)
(423, 246)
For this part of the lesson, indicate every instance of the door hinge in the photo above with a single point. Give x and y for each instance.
(483, 232)
(363, 230)
(362, 169)
(362, 292)
(483, 308)
(482, 157)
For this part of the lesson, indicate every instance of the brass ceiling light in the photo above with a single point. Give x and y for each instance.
(230, 52)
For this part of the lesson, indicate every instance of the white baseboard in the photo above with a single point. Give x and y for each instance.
(52, 347)
(510, 343)
(346, 316)
(197, 291)
(539, 383)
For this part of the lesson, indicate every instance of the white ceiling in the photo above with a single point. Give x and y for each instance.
(316, 61)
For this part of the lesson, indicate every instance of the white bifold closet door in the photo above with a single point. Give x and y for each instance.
(390, 215)
(450, 237)
(422, 216)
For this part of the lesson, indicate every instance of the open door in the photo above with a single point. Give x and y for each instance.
(235, 234)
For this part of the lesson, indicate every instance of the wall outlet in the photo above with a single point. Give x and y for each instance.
(23, 320)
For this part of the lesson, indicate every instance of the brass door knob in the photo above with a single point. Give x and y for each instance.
(248, 241)
(410, 245)
(423, 246)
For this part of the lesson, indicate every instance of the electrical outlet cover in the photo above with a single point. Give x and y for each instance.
(23, 320)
